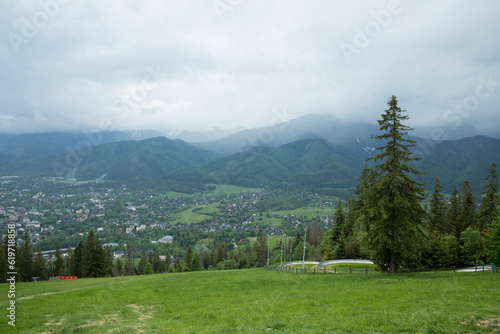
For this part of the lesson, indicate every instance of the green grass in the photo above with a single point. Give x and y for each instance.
(306, 265)
(310, 212)
(356, 268)
(195, 214)
(175, 194)
(228, 189)
(257, 301)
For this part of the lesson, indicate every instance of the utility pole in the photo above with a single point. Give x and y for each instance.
(268, 250)
(284, 247)
(281, 246)
(304, 253)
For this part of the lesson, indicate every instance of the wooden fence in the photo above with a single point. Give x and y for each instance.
(297, 270)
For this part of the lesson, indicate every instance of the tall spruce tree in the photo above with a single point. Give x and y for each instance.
(39, 266)
(25, 261)
(392, 207)
(188, 262)
(129, 263)
(196, 263)
(350, 218)
(142, 263)
(77, 263)
(69, 262)
(454, 214)
(490, 200)
(467, 216)
(94, 257)
(58, 261)
(437, 214)
(338, 223)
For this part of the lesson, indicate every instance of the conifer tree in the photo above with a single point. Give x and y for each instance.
(296, 240)
(76, 268)
(437, 214)
(157, 264)
(338, 223)
(58, 261)
(40, 266)
(196, 263)
(148, 268)
(328, 253)
(25, 261)
(189, 259)
(490, 200)
(350, 218)
(119, 267)
(454, 214)
(4, 265)
(392, 208)
(142, 263)
(177, 265)
(129, 263)
(69, 262)
(94, 261)
(467, 216)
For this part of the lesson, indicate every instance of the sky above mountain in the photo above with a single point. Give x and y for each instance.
(72, 65)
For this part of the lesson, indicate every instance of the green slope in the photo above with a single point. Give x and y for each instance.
(260, 301)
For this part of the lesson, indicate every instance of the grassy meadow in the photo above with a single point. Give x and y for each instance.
(229, 189)
(195, 214)
(257, 301)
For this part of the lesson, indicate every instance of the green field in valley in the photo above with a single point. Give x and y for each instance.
(229, 189)
(257, 301)
(309, 212)
(195, 214)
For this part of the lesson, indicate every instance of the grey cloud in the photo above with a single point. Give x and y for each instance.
(232, 72)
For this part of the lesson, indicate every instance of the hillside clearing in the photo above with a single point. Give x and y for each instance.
(257, 300)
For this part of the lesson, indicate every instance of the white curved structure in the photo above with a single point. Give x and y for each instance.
(325, 263)
(321, 265)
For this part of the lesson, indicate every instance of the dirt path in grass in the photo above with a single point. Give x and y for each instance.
(65, 291)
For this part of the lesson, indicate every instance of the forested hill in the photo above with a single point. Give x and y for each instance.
(148, 159)
(307, 163)
(310, 163)
(454, 161)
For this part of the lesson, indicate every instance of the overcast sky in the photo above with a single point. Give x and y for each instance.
(74, 65)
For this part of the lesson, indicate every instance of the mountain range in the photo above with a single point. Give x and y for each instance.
(311, 153)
